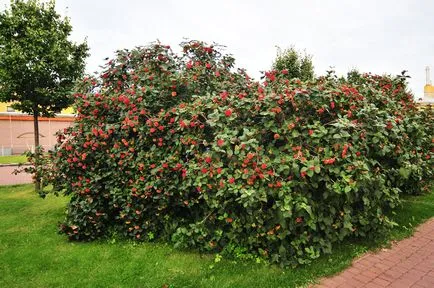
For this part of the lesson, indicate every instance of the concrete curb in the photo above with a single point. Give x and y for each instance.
(15, 164)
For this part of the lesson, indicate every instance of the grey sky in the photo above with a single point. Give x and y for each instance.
(376, 36)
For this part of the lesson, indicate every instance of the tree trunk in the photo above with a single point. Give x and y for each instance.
(36, 134)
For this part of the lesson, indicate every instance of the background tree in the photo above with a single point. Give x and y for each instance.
(38, 64)
(299, 65)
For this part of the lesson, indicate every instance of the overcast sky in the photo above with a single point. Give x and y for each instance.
(370, 35)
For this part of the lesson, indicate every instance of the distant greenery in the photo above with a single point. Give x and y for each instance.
(294, 63)
(32, 254)
(13, 159)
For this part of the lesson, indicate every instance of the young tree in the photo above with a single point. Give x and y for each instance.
(298, 65)
(38, 64)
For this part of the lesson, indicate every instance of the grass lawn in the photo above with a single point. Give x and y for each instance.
(13, 159)
(32, 254)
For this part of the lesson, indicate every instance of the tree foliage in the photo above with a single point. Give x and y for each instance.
(38, 64)
(294, 64)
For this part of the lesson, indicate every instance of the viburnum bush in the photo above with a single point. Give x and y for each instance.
(183, 149)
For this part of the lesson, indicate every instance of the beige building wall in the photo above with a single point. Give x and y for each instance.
(16, 132)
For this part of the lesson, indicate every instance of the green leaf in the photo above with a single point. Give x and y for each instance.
(404, 172)
(305, 207)
(310, 173)
(229, 152)
(295, 133)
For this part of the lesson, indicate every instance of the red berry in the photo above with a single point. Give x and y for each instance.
(224, 95)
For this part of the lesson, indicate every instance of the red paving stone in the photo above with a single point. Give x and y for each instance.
(409, 263)
(7, 178)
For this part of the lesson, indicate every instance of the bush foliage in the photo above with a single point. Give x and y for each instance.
(183, 149)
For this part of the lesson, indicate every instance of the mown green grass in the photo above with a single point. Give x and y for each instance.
(13, 159)
(32, 254)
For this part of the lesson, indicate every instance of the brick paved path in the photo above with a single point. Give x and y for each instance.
(7, 178)
(409, 263)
